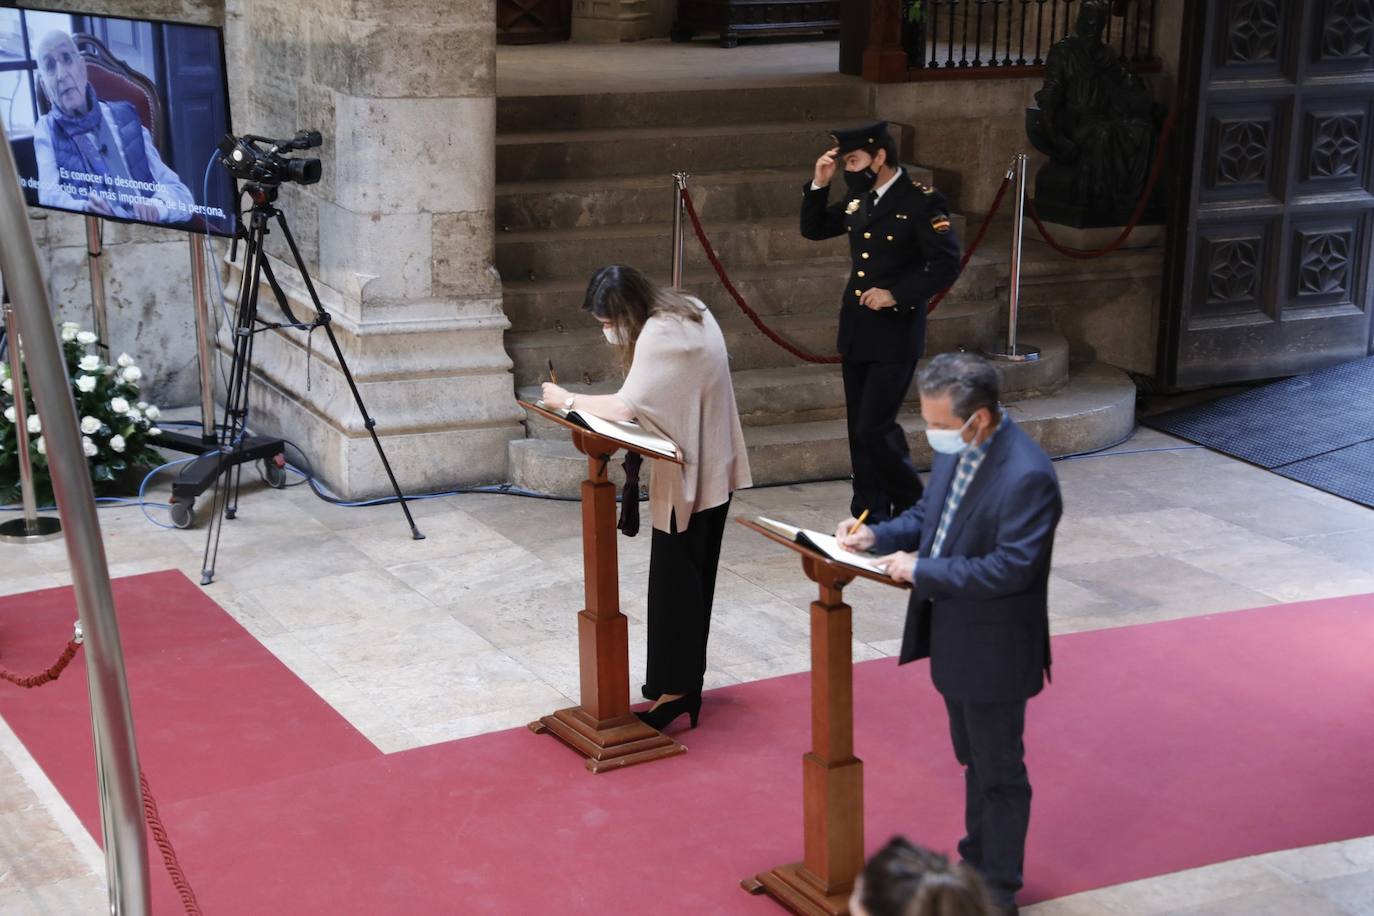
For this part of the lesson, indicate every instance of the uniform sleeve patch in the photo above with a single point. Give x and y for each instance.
(939, 223)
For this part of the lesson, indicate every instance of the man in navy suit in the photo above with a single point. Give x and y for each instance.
(976, 550)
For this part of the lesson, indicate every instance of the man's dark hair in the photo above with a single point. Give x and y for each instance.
(903, 879)
(889, 143)
(970, 381)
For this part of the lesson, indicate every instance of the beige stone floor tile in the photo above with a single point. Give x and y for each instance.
(1351, 548)
(544, 613)
(1286, 516)
(1164, 585)
(337, 518)
(35, 851)
(454, 534)
(1194, 887)
(475, 577)
(247, 562)
(1285, 901)
(250, 615)
(379, 647)
(1176, 530)
(368, 593)
(396, 740)
(792, 663)
(1354, 894)
(84, 894)
(1286, 574)
(1089, 541)
(1318, 863)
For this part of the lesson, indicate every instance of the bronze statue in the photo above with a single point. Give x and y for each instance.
(1096, 122)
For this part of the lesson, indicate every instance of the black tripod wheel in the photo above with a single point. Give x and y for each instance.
(274, 471)
(183, 512)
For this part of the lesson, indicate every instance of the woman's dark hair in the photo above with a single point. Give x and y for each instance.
(626, 299)
(903, 879)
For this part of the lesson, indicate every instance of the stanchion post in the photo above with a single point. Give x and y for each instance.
(679, 228)
(205, 330)
(95, 260)
(121, 798)
(1014, 352)
(32, 527)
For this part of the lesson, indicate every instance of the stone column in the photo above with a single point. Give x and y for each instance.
(397, 235)
(610, 20)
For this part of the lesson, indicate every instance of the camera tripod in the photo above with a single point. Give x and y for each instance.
(236, 447)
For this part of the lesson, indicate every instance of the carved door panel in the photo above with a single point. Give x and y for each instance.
(1272, 232)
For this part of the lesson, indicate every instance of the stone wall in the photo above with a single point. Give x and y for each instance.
(398, 234)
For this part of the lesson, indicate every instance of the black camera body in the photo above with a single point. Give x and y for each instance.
(247, 160)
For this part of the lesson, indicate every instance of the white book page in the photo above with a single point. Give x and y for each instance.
(621, 431)
(824, 543)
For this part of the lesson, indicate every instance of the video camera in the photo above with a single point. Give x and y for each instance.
(247, 160)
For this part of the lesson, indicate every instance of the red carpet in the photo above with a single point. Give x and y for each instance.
(1158, 748)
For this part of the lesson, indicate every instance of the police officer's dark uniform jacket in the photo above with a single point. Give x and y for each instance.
(903, 243)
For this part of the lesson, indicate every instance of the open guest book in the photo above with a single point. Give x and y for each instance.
(823, 544)
(625, 431)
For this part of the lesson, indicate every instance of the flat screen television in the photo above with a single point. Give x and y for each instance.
(117, 117)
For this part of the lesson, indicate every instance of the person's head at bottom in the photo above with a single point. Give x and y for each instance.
(623, 300)
(903, 879)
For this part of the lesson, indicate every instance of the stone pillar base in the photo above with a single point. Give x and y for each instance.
(1101, 237)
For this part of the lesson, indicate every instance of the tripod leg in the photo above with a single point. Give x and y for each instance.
(322, 317)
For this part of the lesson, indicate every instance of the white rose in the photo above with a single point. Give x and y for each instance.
(135, 414)
(68, 332)
(9, 413)
(125, 360)
(8, 385)
(85, 338)
(89, 363)
(41, 446)
(150, 411)
(85, 383)
(35, 424)
(119, 405)
(133, 374)
(4, 371)
(90, 425)
(154, 431)
(117, 443)
(88, 447)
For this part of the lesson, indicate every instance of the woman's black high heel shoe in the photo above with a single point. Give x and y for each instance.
(664, 715)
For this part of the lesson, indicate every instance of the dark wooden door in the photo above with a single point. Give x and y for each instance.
(526, 22)
(1272, 228)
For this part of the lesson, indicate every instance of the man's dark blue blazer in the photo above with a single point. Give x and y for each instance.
(979, 611)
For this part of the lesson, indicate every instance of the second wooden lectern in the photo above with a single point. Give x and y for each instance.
(832, 777)
(602, 728)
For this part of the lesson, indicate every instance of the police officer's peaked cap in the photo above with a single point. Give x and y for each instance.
(855, 138)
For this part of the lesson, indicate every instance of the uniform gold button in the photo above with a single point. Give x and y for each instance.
(889, 238)
(857, 293)
(865, 255)
(861, 273)
(868, 235)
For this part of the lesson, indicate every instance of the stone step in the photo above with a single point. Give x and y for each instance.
(803, 287)
(605, 153)
(828, 105)
(719, 197)
(581, 354)
(1094, 409)
(807, 392)
(552, 254)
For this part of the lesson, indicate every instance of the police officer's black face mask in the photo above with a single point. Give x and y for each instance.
(863, 180)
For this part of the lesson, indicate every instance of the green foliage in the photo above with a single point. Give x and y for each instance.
(914, 11)
(118, 430)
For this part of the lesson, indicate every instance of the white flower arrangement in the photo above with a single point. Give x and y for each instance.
(116, 436)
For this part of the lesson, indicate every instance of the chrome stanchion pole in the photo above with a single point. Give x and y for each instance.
(32, 527)
(205, 341)
(126, 852)
(679, 234)
(95, 262)
(1014, 352)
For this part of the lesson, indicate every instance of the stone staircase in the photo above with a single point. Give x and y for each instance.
(585, 181)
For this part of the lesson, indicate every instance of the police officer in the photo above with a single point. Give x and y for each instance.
(904, 251)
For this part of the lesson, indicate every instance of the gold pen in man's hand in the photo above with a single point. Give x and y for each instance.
(858, 523)
(553, 376)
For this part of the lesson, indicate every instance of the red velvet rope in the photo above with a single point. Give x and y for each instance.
(773, 335)
(150, 812)
(44, 677)
(1155, 172)
(164, 845)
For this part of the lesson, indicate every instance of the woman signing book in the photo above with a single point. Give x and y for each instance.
(677, 384)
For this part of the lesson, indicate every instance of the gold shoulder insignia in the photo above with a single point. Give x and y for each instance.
(927, 190)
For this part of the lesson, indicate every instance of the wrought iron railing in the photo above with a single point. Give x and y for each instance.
(1000, 35)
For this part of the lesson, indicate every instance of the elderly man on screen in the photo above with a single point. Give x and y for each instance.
(96, 156)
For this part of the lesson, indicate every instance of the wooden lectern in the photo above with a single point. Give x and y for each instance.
(602, 728)
(832, 777)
